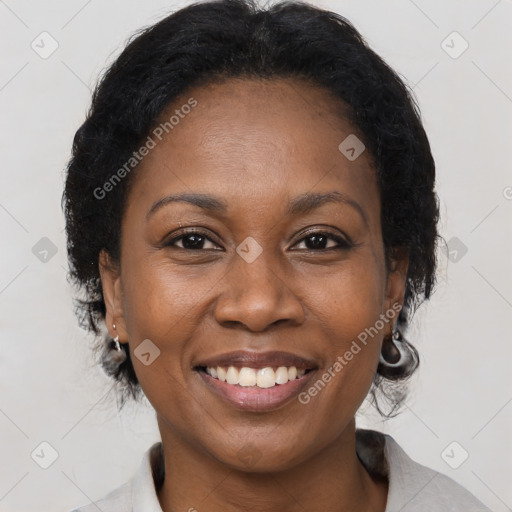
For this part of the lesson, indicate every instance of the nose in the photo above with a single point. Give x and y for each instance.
(257, 295)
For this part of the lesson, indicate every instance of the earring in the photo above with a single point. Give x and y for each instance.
(393, 356)
(117, 354)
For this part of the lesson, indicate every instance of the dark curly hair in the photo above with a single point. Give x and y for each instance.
(216, 40)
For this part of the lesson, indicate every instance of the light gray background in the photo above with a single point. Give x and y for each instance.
(50, 389)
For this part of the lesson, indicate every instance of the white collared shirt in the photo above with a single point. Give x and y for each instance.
(412, 487)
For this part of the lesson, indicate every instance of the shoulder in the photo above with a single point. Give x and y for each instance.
(118, 500)
(139, 494)
(417, 488)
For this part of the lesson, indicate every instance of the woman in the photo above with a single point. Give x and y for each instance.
(251, 212)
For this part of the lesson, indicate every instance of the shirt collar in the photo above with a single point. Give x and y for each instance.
(145, 481)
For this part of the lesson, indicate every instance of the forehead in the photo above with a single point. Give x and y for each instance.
(254, 142)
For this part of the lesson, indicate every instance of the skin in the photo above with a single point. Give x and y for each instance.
(256, 145)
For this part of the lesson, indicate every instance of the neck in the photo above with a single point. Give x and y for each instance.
(332, 480)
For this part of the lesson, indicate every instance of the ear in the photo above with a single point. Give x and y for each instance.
(397, 279)
(113, 297)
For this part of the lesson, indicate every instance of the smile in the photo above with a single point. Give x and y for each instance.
(255, 390)
(255, 377)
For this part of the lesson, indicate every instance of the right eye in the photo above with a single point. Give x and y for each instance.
(191, 241)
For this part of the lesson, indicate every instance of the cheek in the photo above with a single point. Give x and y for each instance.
(164, 304)
(158, 304)
(350, 300)
(349, 307)
(349, 311)
(159, 298)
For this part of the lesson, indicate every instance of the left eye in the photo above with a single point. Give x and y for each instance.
(319, 240)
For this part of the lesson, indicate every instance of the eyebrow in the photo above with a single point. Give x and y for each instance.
(302, 204)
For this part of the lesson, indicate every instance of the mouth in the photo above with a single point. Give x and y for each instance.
(256, 382)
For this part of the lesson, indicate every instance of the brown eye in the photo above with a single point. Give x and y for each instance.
(192, 240)
(320, 241)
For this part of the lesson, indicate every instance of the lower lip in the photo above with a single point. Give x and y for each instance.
(254, 398)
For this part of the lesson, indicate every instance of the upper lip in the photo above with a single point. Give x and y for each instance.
(240, 358)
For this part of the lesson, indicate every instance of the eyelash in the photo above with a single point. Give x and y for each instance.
(342, 243)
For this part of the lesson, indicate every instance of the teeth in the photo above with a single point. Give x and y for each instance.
(221, 373)
(266, 378)
(247, 377)
(281, 375)
(232, 375)
(262, 378)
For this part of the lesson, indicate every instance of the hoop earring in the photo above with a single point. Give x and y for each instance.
(399, 346)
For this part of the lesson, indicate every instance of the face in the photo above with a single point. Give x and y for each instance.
(282, 265)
